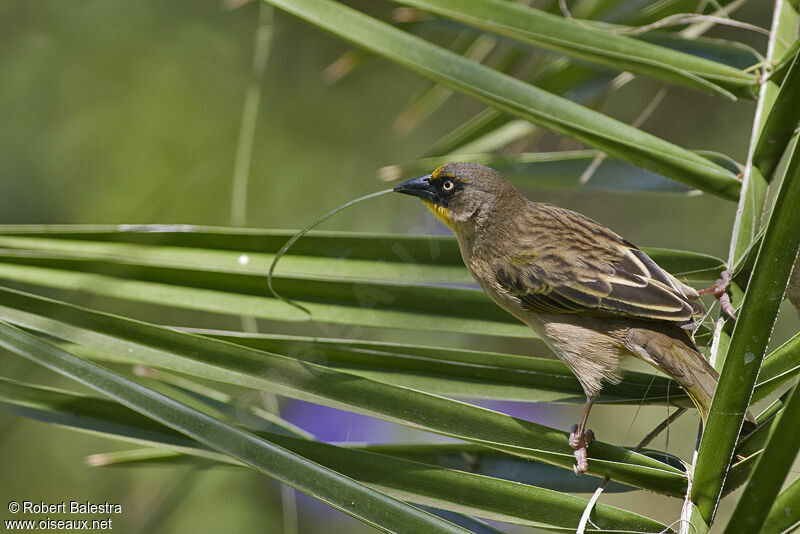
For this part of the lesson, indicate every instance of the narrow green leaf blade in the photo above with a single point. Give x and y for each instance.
(515, 97)
(732, 53)
(470, 523)
(108, 418)
(754, 442)
(491, 130)
(752, 446)
(293, 377)
(781, 123)
(564, 170)
(365, 292)
(555, 170)
(784, 513)
(749, 216)
(346, 245)
(398, 473)
(370, 304)
(780, 366)
(461, 373)
(341, 492)
(222, 247)
(587, 42)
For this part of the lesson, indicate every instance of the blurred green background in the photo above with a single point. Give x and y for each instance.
(129, 112)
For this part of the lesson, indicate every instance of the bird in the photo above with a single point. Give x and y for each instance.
(589, 294)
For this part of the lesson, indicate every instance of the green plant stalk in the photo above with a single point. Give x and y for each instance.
(748, 342)
(341, 492)
(711, 464)
(247, 128)
(770, 471)
(515, 97)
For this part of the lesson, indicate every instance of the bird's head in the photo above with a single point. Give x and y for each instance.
(457, 191)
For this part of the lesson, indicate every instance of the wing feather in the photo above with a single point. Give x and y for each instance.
(575, 265)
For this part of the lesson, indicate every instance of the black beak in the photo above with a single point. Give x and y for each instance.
(418, 187)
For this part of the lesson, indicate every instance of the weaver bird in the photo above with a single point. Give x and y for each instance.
(592, 296)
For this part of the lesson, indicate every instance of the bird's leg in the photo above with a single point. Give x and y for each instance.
(580, 438)
(720, 290)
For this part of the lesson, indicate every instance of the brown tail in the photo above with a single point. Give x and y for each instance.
(671, 350)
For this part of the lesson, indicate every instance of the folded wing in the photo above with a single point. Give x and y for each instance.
(575, 265)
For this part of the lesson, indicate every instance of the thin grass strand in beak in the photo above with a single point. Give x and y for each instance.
(300, 234)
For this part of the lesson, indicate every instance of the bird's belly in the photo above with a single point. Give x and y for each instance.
(591, 349)
(592, 354)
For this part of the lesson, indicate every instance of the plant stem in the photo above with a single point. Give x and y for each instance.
(252, 101)
(712, 463)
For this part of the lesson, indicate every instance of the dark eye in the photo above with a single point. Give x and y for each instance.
(447, 186)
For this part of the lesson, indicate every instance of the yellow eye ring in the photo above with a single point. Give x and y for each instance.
(447, 186)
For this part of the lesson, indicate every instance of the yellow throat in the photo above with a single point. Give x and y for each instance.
(441, 213)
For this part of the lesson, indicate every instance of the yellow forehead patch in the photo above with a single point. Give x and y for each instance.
(438, 174)
(441, 213)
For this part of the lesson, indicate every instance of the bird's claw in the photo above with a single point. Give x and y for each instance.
(579, 443)
(727, 307)
(720, 290)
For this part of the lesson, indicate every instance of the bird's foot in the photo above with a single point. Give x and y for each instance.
(579, 443)
(720, 290)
